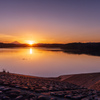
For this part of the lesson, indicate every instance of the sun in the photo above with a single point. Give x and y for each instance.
(31, 42)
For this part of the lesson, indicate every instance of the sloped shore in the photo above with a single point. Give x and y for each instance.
(24, 87)
(88, 80)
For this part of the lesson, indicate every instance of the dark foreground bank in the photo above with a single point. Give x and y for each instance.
(24, 87)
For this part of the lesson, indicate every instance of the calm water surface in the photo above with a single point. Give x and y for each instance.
(45, 63)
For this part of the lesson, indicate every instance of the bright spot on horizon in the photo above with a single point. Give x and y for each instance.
(31, 42)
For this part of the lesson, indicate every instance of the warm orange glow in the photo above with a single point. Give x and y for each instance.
(31, 42)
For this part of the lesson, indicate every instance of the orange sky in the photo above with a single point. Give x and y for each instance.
(50, 21)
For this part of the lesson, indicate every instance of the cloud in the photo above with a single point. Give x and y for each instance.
(5, 35)
(6, 38)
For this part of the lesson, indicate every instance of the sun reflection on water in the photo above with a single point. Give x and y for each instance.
(31, 51)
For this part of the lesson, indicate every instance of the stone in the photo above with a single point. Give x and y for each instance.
(53, 99)
(19, 97)
(41, 97)
(52, 93)
(1, 92)
(6, 98)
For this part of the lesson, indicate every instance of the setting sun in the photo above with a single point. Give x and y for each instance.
(31, 42)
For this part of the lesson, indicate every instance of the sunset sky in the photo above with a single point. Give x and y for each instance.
(50, 21)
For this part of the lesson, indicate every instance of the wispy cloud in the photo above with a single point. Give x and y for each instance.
(7, 38)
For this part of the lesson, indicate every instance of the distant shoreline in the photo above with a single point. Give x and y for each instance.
(71, 48)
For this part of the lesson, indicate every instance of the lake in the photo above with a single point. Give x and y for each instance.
(46, 62)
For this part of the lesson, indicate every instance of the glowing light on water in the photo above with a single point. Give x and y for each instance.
(31, 51)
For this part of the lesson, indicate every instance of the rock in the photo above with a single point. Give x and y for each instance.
(52, 93)
(19, 97)
(12, 95)
(1, 82)
(6, 98)
(33, 98)
(41, 97)
(60, 95)
(6, 89)
(23, 94)
(0, 92)
(1, 88)
(26, 88)
(38, 90)
(67, 96)
(53, 99)
(14, 91)
(31, 95)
